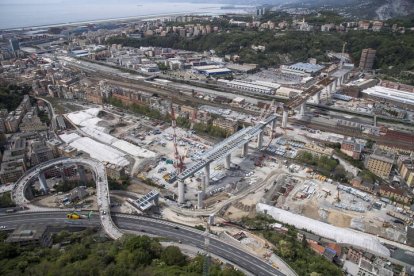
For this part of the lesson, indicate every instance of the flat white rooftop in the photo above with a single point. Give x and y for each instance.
(390, 94)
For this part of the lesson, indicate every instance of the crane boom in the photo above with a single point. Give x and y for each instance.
(179, 164)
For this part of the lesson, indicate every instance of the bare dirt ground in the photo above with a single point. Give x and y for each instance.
(339, 219)
(235, 214)
(214, 199)
(140, 188)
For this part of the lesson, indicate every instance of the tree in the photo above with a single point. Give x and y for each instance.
(6, 200)
(173, 256)
(286, 249)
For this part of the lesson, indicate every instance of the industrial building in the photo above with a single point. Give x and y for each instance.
(396, 96)
(303, 69)
(212, 70)
(252, 86)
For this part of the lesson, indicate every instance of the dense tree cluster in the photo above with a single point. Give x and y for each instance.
(12, 95)
(6, 200)
(87, 254)
(295, 252)
(323, 164)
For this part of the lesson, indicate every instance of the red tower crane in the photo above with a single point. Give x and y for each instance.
(179, 160)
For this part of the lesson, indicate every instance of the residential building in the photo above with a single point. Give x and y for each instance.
(14, 44)
(31, 235)
(32, 122)
(351, 148)
(406, 169)
(380, 163)
(367, 59)
(369, 268)
(354, 255)
(396, 194)
(40, 153)
(11, 171)
(229, 126)
(362, 185)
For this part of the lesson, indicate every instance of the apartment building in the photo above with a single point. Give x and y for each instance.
(380, 163)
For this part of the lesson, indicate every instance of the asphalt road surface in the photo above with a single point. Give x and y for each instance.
(166, 229)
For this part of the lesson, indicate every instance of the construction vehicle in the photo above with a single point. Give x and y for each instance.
(75, 216)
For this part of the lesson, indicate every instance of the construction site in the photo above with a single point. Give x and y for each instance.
(256, 164)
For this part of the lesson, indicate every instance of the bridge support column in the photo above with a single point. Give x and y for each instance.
(260, 140)
(285, 118)
(334, 86)
(341, 80)
(273, 126)
(82, 176)
(245, 149)
(317, 98)
(303, 109)
(200, 198)
(42, 182)
(207, 174)
(227, 162)
(181, 192)
(328, 93)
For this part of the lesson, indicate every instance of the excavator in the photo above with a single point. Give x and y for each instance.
(75, 215)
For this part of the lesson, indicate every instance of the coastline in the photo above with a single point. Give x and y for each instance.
(126, 19)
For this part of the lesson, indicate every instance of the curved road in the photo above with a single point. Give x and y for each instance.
(102, 189)
(157, 227)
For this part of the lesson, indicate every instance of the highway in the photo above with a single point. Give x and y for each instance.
(102, 189)
(166, 229)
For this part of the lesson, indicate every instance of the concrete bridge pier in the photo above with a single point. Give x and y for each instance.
(328, 91)
(303, 109)
(334, 86)
(285, 118)
(43, 182)
(200, 198)
(181, 192)
(245, 149)
(260, 140)
(227, 162)
(207, 174)
(273, 126)
(82, 176)
(317, 98)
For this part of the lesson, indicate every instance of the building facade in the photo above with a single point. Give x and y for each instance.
(380, 163)
(367, 59)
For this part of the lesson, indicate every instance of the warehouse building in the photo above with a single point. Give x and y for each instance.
(251, 86)
(399, 97)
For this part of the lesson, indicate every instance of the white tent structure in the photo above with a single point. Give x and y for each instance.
(344, 236)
